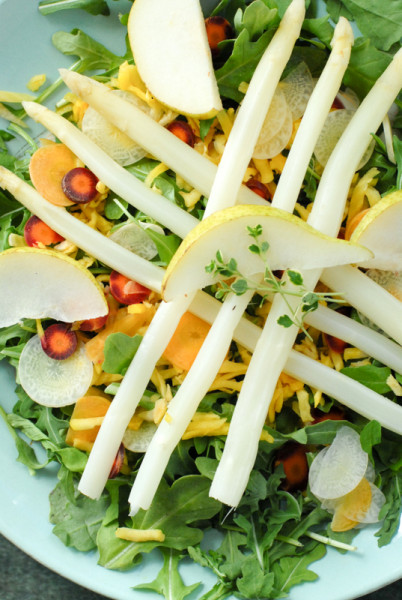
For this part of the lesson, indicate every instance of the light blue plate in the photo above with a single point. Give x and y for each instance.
(26, 50)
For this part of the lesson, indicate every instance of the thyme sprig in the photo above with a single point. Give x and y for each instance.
(236, 282)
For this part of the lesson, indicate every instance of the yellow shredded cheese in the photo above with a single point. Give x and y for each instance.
(140, 535)
(36, 82)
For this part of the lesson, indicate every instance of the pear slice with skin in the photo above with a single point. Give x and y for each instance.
(170, 47)
(43, 283)
(380, 230)
(292, 244)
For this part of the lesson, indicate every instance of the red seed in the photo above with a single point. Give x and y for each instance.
(218, 30)
(59, 341)
(117, 463)
(79, 185)
(293, 458)
(259, 188)
(127, 291)
(38, 234)
(93, 324)
(183, 131)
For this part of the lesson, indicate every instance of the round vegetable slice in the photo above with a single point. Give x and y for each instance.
(51, 382)
(138, 440)
(297, 88)
(110, 139)
(339, 468)
(134, 238)
(277, 116)
(334, 126)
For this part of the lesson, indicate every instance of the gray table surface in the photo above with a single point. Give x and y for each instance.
(22, 578)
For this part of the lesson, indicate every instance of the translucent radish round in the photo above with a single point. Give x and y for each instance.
(139, 440)
(298, 87)
(110, 139)
(133, 237)
(377, 502)
(52, 382)
(334, 126)
(277, 118)
(339, 468)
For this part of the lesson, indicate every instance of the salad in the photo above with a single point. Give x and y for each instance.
(321, 455)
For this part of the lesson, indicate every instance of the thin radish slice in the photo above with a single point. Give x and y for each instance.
(277, 114)
(139, 440)
(52, 382)
(297, 88)
(342, 467)
(110, 139)
(281, 139)
(334, 126)
(133, 237)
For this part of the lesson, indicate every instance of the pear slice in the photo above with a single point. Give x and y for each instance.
(292, 244)
(172, 55)
(381, 230)
(39, 283)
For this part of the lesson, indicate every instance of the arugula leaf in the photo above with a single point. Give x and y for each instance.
(256, 17)
(241, 64)
(92, 54)
(382, 27)
(94, 7)
(397, 144)
(168, 582)
(120, 350)
(372, 377)
(174, 510)
(76, 523)
(254, 582)
(365, 66)
(165, 244)
(292, 570)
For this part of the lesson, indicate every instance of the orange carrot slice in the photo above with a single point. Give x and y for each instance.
(87, 407)
(186, 341)
(37, 234)
(47, 168)
(353, 223)
(353, 507)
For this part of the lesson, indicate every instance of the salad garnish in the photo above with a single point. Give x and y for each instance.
(179, 397)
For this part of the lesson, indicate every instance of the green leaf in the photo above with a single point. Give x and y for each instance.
(94, 7)
(173, 510)
(165, 244)
(365, 66)
(241, 64)
(239, 287)
(255, 18)
(372, 377)
(254, 582)
(120, 350)
(205, 126)
(295, 277)
(381, 24)
(76, 523)
(292, 570)
(397, 145)
(92, 53)
(285, 321)
(168, 582)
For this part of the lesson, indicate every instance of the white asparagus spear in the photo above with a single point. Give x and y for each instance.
(275, 343)
(168, 316)
(204, 306)
(247, 333)
(206, 365)
(200, 172)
